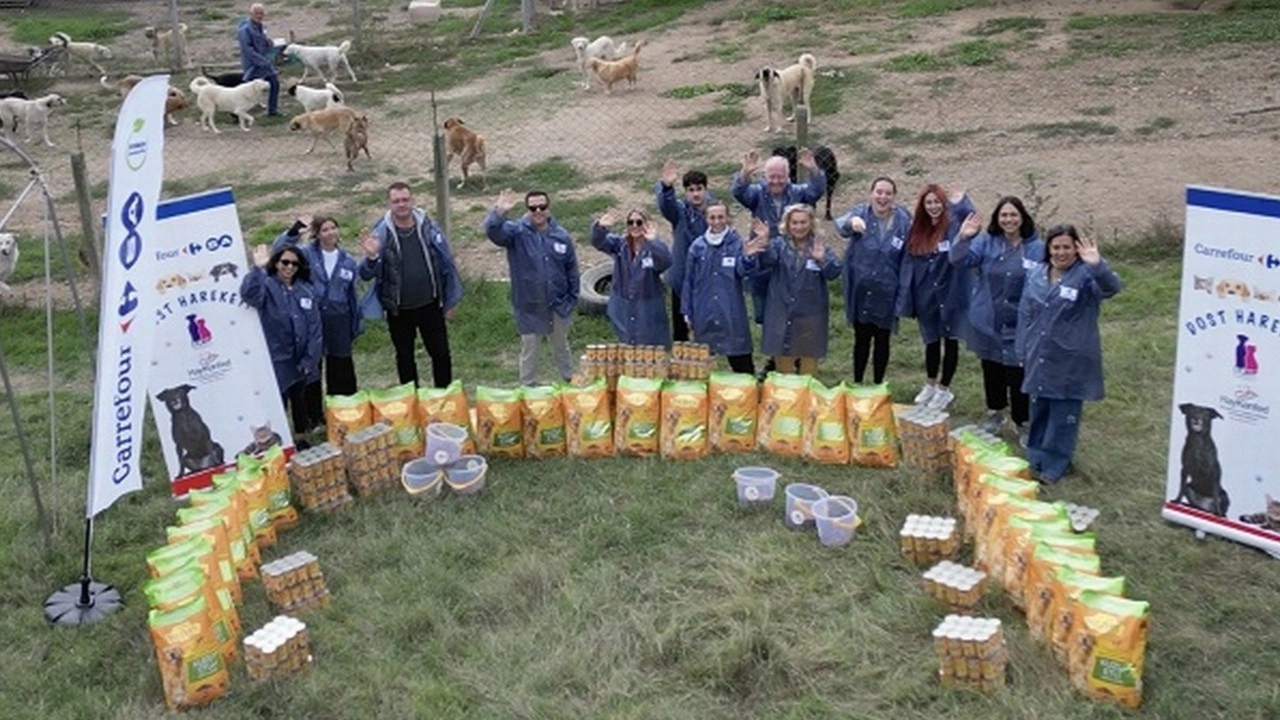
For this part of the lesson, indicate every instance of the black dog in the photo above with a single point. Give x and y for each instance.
(226, 268)
(196, 448)
(825, 159)
(1201, 473)
(12, 94)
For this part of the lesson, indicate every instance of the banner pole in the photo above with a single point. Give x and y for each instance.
(85, 601)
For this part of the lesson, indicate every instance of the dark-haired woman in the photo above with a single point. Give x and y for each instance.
(877, 232)
(333, 280)
(637, 305)
(1060, 346)
(1002, 256)
(933, 291)
(279, 287)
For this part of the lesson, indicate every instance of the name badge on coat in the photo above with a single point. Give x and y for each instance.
(896, 243)
(345, 273)
(1068, 293)
(559, 247)
(1029, 264)
(646, 263)
(304, 303)
(728, 262)
(812, 264)
(944, 246)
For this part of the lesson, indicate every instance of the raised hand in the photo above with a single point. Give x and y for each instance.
(506, 200)
(609, 217)
(371, 246)
(650, 232)
(971, 226)
(670, 173)
(819, 253)
(750, 164)
(1088, 249)
(805, 158)
(306, 220)
(857, 225)
(261, 255)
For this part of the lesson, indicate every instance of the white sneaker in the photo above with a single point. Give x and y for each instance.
(995, 419)
(1024, 434)
(927, 394)
(941, 399)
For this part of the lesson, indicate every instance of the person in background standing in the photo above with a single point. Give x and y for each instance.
(636, 307)
(257, 54)
(688, 221)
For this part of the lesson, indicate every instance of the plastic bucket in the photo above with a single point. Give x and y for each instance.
(800, 500)
(422, 477)
(837, 518)
(466, 476)
(444, 442)
(756, 486)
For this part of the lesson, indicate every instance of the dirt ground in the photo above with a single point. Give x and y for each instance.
(1114, 184)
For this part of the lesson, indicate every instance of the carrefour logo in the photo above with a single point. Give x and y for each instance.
(128, 252)
(136, 152)
(1268, 261)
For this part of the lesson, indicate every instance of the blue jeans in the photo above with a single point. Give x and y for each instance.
(1051, 441)
(273, 97)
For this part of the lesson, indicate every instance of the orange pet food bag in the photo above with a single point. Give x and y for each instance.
(784, 402)
(1106, 660)
(588, 420)
(447, 405)
(279, 491)
(683, 429)
(542, 410)
(1063, 587)
(498, 422)
(826, 439)
(398, 407)
(635, 428)
(192, 669)
(344, 414)
(733, 399)
(873, 441)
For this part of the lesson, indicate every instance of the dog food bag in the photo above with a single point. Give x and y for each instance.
(346, 413)
(985, 481)
(588, 420)
(227, 487)
(784, 403)
(873, 442)
(826, 437)
(1043, 564)
(542, 410)
(499, 429)
(185, 585)
(733, 399)
(683, 429)
(639, 408)
(1107, 658)
(447, 405)
(995, 532)
(221, 510)
(192, 669)
(1017, 545)
(253, 482)
(398, 407)
(1055, 603)
(205, 541)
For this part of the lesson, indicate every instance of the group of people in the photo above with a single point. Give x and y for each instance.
(1026, 304)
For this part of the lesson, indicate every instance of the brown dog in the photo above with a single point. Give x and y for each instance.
(173, 103)
(357, 139)
(615, 71)
(324, 123)
(462, 141)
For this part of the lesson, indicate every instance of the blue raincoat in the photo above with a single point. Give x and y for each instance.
(872, 261)
(993, 304)
(712, 296)
(797, 308)
(933, 291)
(291, 323)
(637, 304)
(544, 270)
(687, 224)
(756, 198)
(339, 307)
(1058, 339)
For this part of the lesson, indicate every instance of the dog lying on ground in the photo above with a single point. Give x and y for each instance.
(323, 123)
(314, 56)
(610, 72)
(239, 100)
(357, 139)
(191, 437)
(174, 103)
(86, 51)
(162, 39)
(602, 47)
(468, 145)
(1201, 477)
(825, 159)
(8, 260)
(793, 83)
(28, 113)
(316, 98)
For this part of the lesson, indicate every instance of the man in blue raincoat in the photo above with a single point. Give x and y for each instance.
(256, 53)
(688, 221)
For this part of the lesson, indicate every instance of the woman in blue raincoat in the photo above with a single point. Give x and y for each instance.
(799, 264)
(1002, 257)
(1060, 346)
(877, 232)
(712, 297)
(637, 306)
(933, 291)
(279, 288)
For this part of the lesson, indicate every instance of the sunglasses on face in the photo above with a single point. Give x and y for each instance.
(287, 263)
(537, 208)
(635, 223)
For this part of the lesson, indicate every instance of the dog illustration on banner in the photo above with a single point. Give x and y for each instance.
(196, 449)
(1201, 477)
(197, 330)
(1246, 357)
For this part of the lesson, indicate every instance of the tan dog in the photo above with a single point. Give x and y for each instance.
(1238, 288)
(162, 38)
(792, 84)
(610, 72)
(176, 101)
(469, 145)
(172, 282)
(324, 123)
(357, 139)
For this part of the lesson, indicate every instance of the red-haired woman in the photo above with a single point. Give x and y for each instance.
(932, 290)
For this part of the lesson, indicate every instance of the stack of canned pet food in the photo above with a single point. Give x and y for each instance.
(372, 464)
(690, 361)
(1082, 518)
(971, 653)
(295, 583)
(927, 539)
(957, 586)
(923, 432)
(319, 477)
(281, 647)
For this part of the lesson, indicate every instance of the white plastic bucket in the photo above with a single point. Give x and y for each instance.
(422, 477)
(837, 518)
(800, 500)
(756, 485)
(444, 442)
(466, 476)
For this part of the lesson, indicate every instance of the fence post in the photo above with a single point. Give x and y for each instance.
(802, 138)
(527, 15)
(440, 168)
(358, 23)
(176, 42)
(90, 243)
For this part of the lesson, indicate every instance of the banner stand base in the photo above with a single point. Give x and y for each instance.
(82, 603)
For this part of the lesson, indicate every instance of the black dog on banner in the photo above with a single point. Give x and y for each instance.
(825, 159)
(1201, 486)
(196, 449)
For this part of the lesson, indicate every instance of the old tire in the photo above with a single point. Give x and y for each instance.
(593, 294)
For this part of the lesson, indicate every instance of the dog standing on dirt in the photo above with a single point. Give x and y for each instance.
(8, 260)
(468, 145)
(314, 56)
(238, 101)
(602, 47)
(611, 72)
(28, 113)
(316, 98)
(357, 139)
(793, 83)
(196, 449)
(162, 38)
(1201, 476)
(323, 123)
(174, 101)
(86, 51)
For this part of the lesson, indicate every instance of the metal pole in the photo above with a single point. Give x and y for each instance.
(358, 25)
(527, 15)
(42, 519)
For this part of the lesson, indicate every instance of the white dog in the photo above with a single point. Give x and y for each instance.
(239, 100)
(602, 47)
(160, 39)
(8, 259)
(86, 51)
(793, 83)
(16, 111)
(314, 56)
(316, 98)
